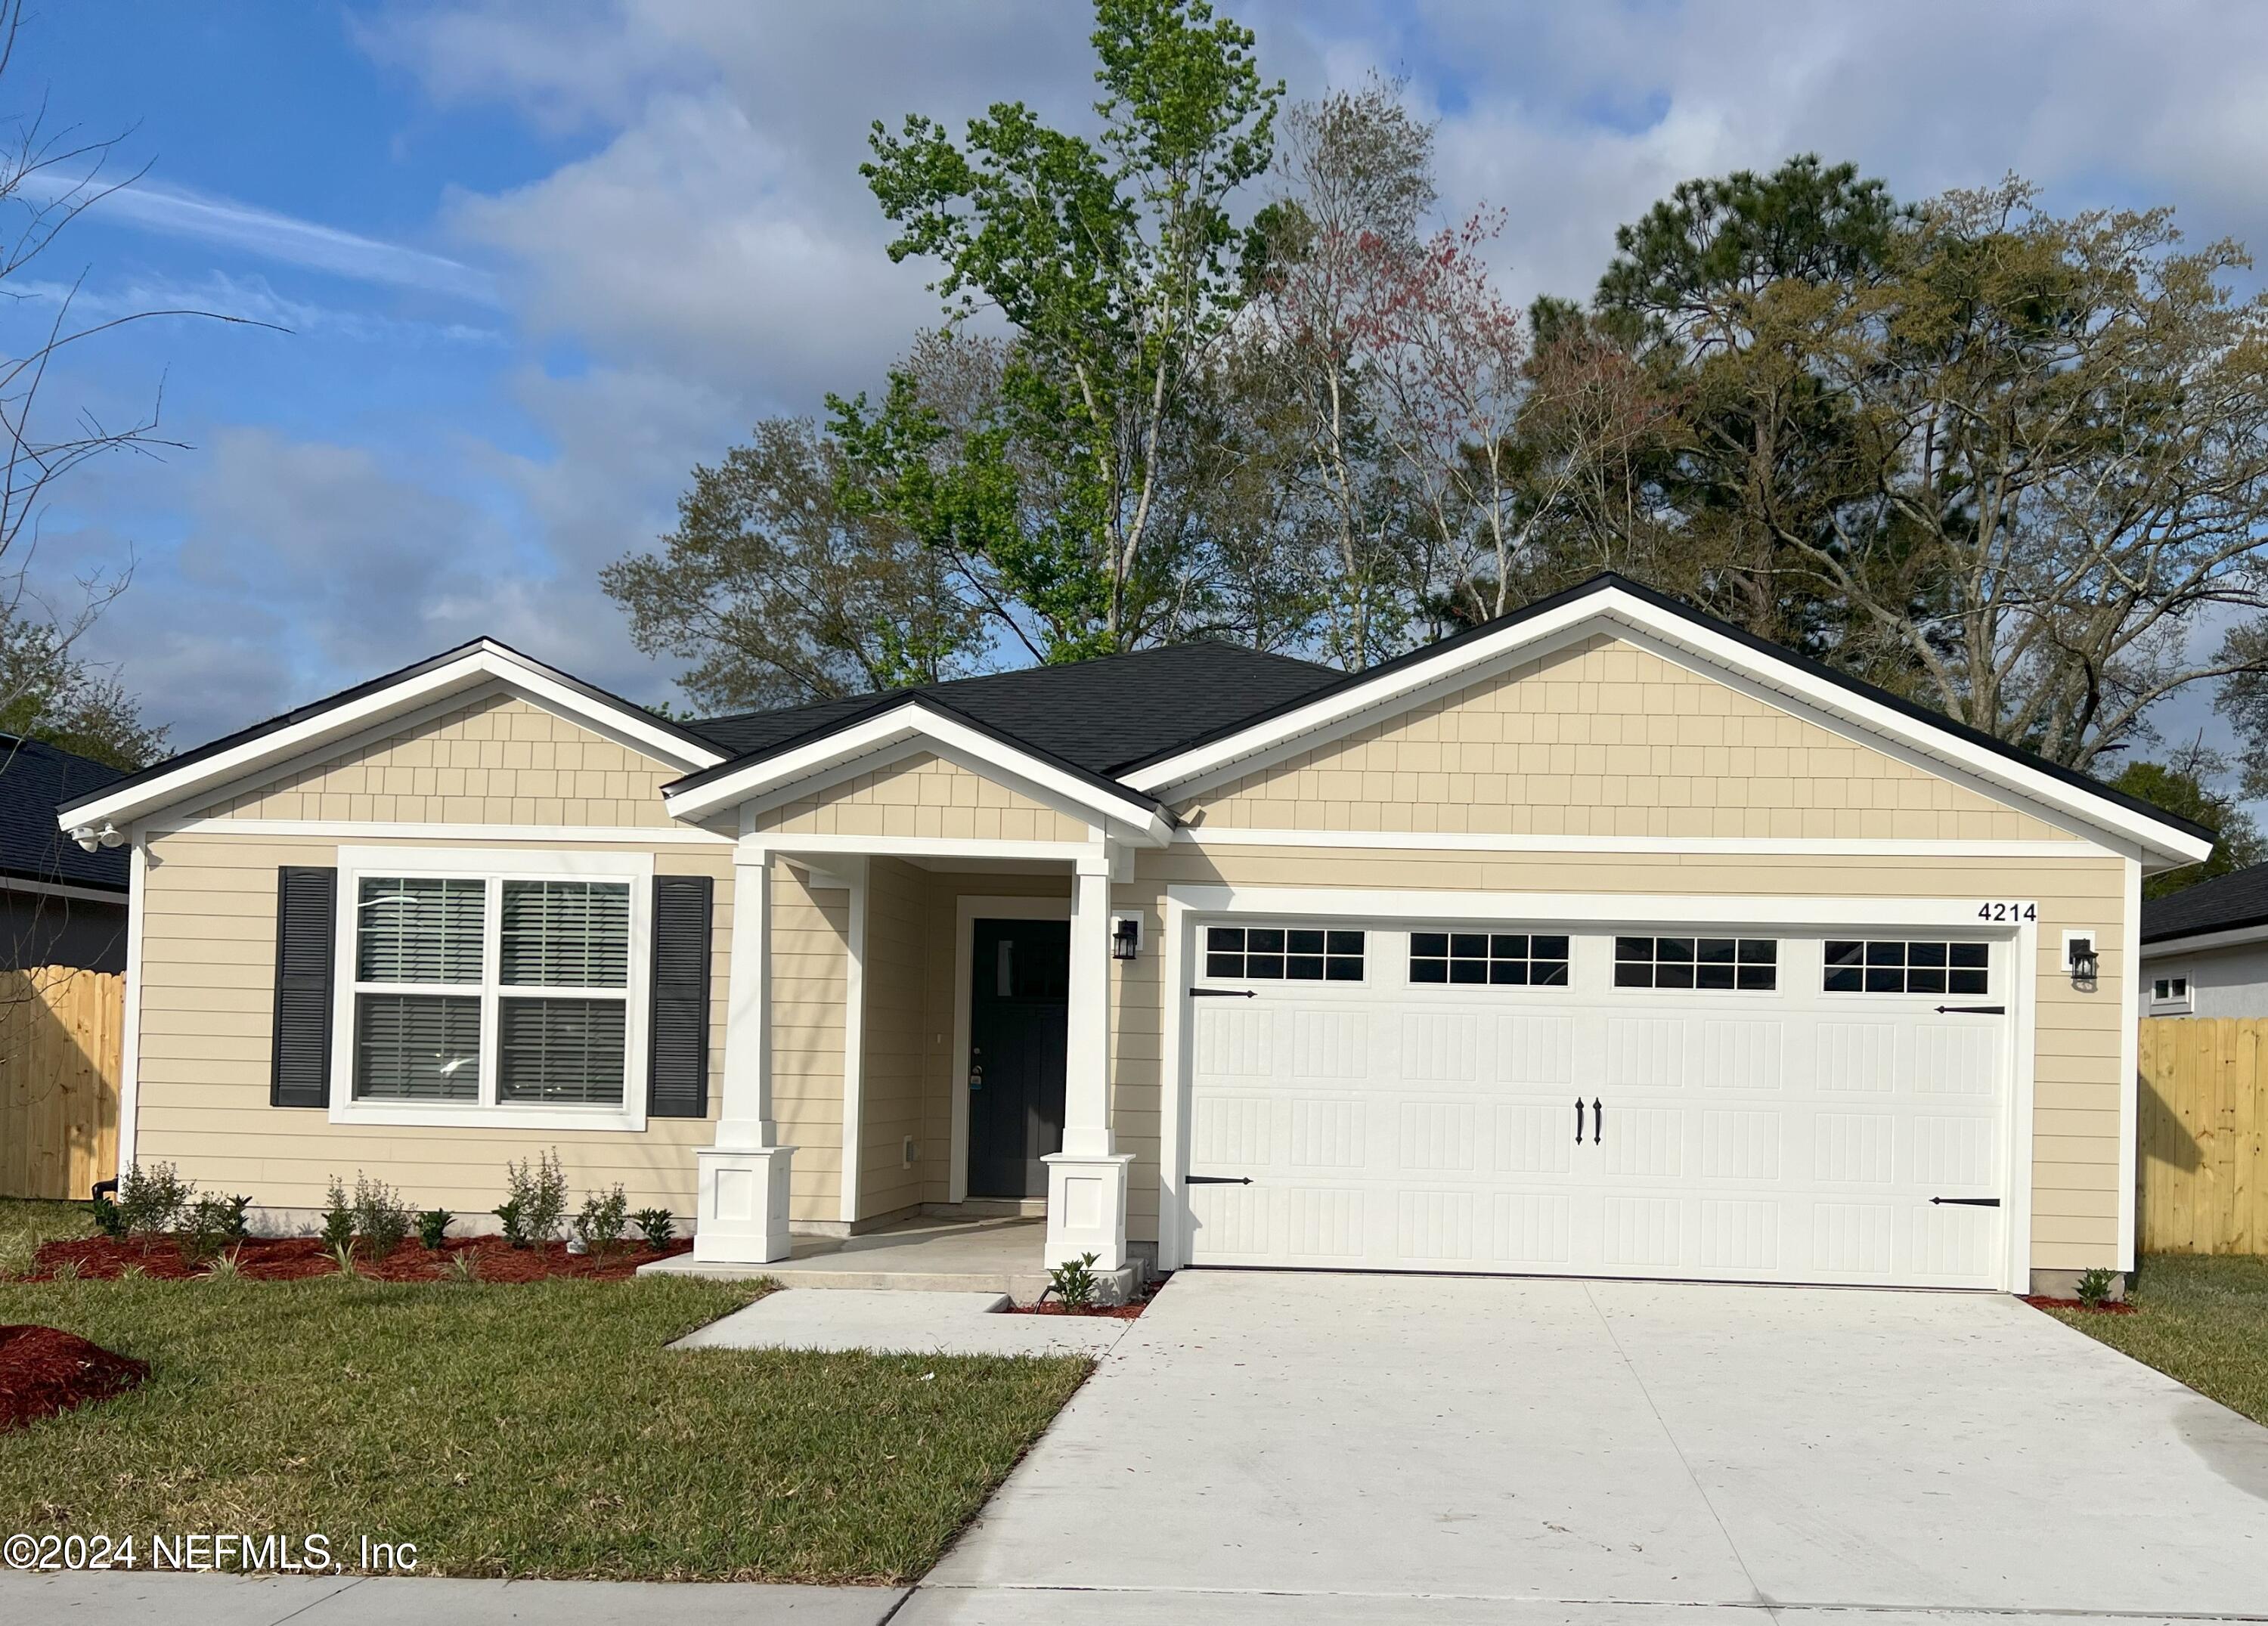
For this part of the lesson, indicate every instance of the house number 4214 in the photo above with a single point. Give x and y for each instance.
(2000, 914)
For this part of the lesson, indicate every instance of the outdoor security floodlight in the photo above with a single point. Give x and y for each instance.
(112, 836)
(90, 838)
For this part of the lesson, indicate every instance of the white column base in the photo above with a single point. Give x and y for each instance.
(743, 1205)
(1087, 1208)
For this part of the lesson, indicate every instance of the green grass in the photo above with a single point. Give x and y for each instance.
(2202, 1320)
(25, 1223)
(517, 1431)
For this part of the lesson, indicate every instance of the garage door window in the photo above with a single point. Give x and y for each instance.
(1507, 959)
(1283, 953)
(1746, 963)
(1906, 967)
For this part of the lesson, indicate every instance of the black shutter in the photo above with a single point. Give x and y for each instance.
(677, 1073)
(307, 918)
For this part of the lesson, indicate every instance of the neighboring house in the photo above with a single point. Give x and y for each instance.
(2205, 948)
(60, 905)
(1602, 940)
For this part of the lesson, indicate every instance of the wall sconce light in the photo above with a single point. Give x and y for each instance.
(2078, 954)
(1125, 936)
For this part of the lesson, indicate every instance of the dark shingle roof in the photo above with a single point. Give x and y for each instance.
(1101, 715)
(34, 778)
(2222, 904)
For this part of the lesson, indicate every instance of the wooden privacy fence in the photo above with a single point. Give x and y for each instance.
(59, 1068)
(2203, 1157)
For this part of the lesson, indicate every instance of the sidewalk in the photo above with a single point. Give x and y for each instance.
(117, 1598)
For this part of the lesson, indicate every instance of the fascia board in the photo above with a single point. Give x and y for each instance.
(350, 718)
(1612, 607)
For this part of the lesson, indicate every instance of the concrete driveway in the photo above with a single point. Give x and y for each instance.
(1326, 1449)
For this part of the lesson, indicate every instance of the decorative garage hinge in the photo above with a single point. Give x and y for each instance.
(1217, 1179)
(1972, 1010)
(1968, 1202)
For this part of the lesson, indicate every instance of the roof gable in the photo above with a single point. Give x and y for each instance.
(1621, 608)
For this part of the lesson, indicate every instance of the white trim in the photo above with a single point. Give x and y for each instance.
(968, 909)
(2171, 1003)
(913, 720)
(2235, 937)
(1450, 840)
(854, 878)
(483, 662)
(1611, 606)
(495, 865)
(129, 1040)
(922, 846)
(361, 830)
(64, 890)
(2130, 1060)
(2017, 949)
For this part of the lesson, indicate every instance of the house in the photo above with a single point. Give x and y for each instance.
(1604, 938)
(2205, 948)
(60, 904)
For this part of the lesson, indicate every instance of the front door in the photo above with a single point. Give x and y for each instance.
(1018, 982)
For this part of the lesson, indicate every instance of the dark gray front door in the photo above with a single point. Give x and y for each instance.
(1019, 973)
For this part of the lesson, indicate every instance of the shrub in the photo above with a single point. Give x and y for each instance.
(343, 1256)
(226, 1267)
(338, 1217)
(465, 1266)
(433, 1226)
(539, 1189)
(1073, 1283)
(150, 1199)
(513, 1213)
(2095, 1287)
(658, 1227)
(210, 1224)
(381, 1218)
(109, 1218)
(598, 1227)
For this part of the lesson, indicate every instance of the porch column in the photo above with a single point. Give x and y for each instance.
(1086, 1179)
(743, 1178)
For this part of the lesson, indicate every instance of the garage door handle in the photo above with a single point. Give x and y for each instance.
(1217, 1179)
(1972, 1010)
(1224, 993)
(1579, 1120)
(1598, 1122)
(1968, 1202)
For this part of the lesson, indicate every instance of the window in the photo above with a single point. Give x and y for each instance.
(1510, 958)
(1906, 967)
(495, 996)
(2170, 993)
(1292, 953)
(1747, 963)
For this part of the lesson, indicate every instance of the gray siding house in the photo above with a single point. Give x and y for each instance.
(2204, 949)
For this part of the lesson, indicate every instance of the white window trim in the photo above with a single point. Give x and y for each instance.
(2175, 1003)
(495, 865)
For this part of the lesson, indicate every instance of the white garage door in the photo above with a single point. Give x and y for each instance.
(1634, 1102)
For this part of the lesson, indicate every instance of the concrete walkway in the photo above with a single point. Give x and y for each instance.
(918, 1255)
(920, 1323)
(1284, 1448)
(175, 1600)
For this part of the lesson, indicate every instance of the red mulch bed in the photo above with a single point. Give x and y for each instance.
(291, 1259)
(1126, 1312)
(44, 1371)
(2112, 1306)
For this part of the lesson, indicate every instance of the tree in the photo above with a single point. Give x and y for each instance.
(1111, 262)
(54, 695)
(780, 594)
(2181, 785)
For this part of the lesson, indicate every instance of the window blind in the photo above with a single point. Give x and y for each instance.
(561, 1050)
(566, 934)
(417, 1047)
(419, 929)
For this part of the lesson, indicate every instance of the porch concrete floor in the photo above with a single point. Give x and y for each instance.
(918, 1255)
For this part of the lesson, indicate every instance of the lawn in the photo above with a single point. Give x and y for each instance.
(513, 1430)
(2203, 1321)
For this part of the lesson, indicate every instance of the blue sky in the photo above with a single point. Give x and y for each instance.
(540, 257)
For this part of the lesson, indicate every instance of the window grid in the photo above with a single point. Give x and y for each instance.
(1505, 958)
(1283, 953)
(1906, 967)
(1748, 965)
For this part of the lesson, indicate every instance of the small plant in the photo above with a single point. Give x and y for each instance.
(132, 1273)
(338, 1217)
(109, 1218)
(538, 1190)
(381, 1218)
(67, 1271)
(2095, 1287)
(1073, 1283)
(599, 1226)
(658, 1227)
(465, 1266)
(433, 1227)
(150, 1199)
(513, 1214)
(210, 1224)
(226, 1267)
(342, 1255)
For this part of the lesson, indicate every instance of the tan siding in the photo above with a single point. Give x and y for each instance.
(811, 945)
(922, 796)
(893, 1055)
(1604, 738)
(209, 952)
(2075, 1150)
(495, 761)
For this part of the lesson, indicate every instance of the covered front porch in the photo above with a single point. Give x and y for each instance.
(941, 1252)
